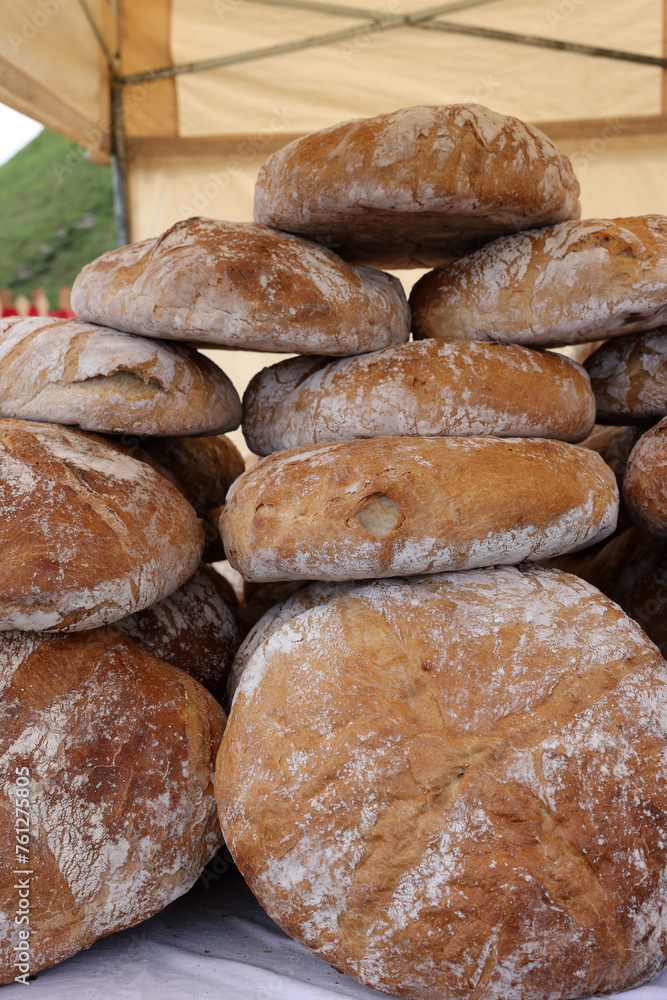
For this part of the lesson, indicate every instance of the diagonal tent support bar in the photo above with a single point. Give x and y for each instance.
(273, 50)
(377, 16)
(98, 35)
(376, 21)
(450, 27)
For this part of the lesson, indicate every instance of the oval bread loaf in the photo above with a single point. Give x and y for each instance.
(428, 389)
(629, 378)
(236, 284)
(390, 506)
(115, 752)
(88, 534)
(68, 372)
(573, 282)
(454, 786)
(645, 483)
(417, 187)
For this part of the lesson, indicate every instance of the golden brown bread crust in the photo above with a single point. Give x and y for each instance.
(573, 282)
(68, 372)
(120, 750)
(454, 787)
(88, 534)
(645, 483)
(236, 284)
(432, 388)
(194, 629)
(389, 506)
(204, 467)
(296, 597)
(417, 187)
(629, 378)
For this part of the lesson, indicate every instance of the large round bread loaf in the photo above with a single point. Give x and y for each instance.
(645, 483)
(391, 506)
(88, 534)
(429, 389)
(454, 787)
(416, 187)
(573, 282)
(235, 284)
(629, 378)
(75, 373)
(194, 629)
(114, 751)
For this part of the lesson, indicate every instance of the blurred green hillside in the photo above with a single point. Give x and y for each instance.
(56, 214)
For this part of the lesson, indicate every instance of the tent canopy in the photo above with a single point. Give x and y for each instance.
(188, 97)
(191, 95)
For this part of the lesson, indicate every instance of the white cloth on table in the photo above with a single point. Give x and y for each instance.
(214, 943)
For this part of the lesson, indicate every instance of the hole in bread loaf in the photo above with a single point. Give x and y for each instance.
(380, 515)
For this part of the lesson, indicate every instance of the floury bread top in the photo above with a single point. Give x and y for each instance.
(405, 505)
(88, 534)
(566, 284)
(432, 388)
(237, 284)
(417, 187)
(102, 380)
(454, 787)
(120, 749)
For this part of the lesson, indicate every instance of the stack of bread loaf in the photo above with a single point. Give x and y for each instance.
(442, 771)
(110, 630)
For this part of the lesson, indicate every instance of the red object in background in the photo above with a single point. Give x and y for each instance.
(61, 314)
(9, 311)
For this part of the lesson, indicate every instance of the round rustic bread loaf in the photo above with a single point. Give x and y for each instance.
(389, 506)
(429, 389)
(629, 378)
(573, 282)
(68, 372)
(417, 187)
(204, 467)
(454, 786)
(193, 629)
(115, 751)
(645, 483)
(88, 534)
(235, 284)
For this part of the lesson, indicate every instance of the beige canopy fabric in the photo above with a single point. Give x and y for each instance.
(190, 96)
